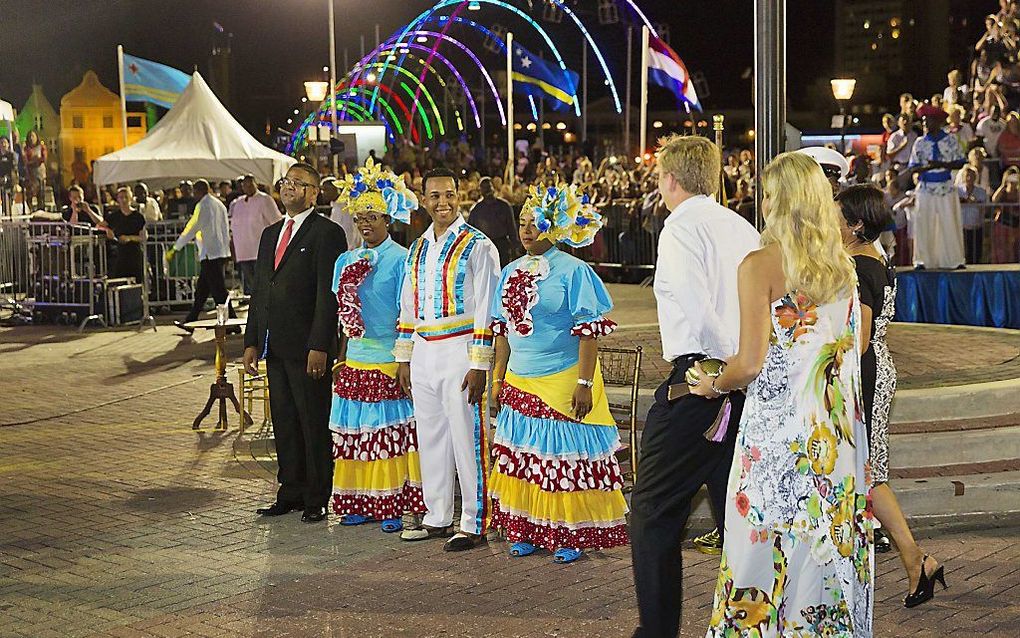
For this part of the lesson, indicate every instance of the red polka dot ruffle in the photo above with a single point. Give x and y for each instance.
(557, 475)
(380, 506)
(369, 386)
(600, 328)
(381, 444)
(552, 537)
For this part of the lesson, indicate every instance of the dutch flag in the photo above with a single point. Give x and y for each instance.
(666, 69)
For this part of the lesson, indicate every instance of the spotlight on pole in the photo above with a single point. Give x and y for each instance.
(843, 90)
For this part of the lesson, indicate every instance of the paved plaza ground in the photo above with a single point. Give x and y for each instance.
(116, 519)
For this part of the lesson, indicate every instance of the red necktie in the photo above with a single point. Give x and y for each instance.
(284, 240)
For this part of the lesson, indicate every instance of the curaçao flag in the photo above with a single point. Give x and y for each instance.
(148, 81)
(534, 76)
(666, 69)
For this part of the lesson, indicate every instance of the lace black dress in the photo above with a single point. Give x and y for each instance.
(877, 285)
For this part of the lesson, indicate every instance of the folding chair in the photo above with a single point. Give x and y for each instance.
(621, 368)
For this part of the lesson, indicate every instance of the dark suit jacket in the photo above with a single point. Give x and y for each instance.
(295, 303)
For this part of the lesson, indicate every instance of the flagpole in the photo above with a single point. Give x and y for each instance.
(332, 66)
(643, 136)
(123, 101)
(584, 90)
(509, 102)
(332, 85)
(626, 109)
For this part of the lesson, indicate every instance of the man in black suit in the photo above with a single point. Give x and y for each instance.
(292, 323)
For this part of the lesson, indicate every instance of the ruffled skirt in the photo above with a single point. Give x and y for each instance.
(375, 449)
(556, 481)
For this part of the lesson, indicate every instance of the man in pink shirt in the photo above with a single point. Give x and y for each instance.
(249, 216)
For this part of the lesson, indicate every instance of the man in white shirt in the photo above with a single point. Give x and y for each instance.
(444, 352)
(687, 440)
(250, 214)
(210, 229)
(989, 129)
(901, 141)
(148, 206)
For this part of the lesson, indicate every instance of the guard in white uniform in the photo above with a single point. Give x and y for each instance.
(444, 336)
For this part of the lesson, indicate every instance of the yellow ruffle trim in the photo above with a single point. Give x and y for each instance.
(558, 389)
(389, 369)
(570, 508)
(376, 476)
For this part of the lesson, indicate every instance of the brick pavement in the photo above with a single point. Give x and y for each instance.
(925, 356)
(117, 520)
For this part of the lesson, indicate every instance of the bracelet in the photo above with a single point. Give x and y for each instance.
(588, 383)
(717, 390)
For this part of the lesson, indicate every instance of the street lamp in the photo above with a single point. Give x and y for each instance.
(316, 91)
(843, 90)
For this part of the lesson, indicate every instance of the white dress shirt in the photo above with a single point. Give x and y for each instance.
(701, 245)
(210, 229)
(298, 220)
(150, 210)
(249, 216)
(481, 277)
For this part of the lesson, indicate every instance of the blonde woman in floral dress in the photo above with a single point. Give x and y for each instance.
(797, 557)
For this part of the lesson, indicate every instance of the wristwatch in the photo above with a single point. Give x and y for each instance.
(588, 383)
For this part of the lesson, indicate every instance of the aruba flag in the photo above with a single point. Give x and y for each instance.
(148, 81)
(534, 76)
(666, 69)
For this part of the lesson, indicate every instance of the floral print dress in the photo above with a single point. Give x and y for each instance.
(797, 558)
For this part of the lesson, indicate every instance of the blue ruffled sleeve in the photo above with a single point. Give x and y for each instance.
(589, 301)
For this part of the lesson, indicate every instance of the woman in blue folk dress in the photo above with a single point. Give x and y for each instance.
(556, 483)
(376, 475)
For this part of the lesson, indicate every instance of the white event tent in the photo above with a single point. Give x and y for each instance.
(197, 138)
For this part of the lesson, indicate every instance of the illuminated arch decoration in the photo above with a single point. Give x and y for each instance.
(355, 109)
(358, 86)
(485, 73)
(523, 16)
(428, 96)
(402, 49)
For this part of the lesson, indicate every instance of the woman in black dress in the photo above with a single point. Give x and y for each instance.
(865, 216)
(125, 225)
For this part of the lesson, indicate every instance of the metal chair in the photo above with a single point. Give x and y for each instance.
(255, 388)
(621, 368)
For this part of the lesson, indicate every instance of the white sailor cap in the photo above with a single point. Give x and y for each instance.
(828, 158)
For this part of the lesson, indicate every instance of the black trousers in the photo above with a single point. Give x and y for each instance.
(676, 460)
(210, 280)
(304, 448)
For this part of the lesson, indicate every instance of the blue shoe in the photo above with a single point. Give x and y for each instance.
(565, 555)
(391, 525)
(354, 519)
(522, 548)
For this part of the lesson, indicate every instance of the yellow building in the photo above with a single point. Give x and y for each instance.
(90, 126)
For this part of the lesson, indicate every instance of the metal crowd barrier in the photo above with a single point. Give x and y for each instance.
(15, 283)
(55, 270)
(52, 271)
(172, 285)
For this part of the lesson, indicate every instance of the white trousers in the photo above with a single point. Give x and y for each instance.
(938, 231)
(451, 435)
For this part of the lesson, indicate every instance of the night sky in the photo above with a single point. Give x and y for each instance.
(277, 45)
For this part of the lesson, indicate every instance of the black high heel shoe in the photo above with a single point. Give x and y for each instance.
(925, 590)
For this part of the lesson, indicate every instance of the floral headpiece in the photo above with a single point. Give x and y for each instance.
(563, 214)
(374, 188)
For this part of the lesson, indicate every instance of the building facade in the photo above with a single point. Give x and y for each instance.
(91, 126)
